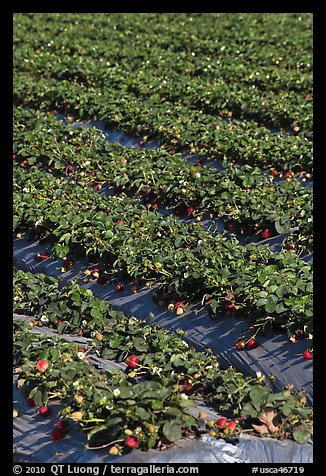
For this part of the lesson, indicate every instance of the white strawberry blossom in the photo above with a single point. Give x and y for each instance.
(157, 370)
(116, 392)
(184, 396)
(81, 355)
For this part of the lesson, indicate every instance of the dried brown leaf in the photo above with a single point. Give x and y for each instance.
(262, 429)
(268, 416)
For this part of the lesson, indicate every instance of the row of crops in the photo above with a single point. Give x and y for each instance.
(150, 218)
(147, 403)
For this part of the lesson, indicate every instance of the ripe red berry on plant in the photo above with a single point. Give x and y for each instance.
(307, 355)
(267, 233)
(221, 422)
(186, 388)
(101, 280)
(45, 411)
(132, 442)
(42, 365)
(251, 344)
(132, 361)
(229, 307)
(240, 345)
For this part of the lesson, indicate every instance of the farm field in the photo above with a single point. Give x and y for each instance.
(163, 233)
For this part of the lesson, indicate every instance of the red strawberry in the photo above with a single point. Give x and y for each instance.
(231, 425)
(101, 280)
(198, 161)
(61, 425)
(231, 227)
(57, 435)
(307, 97)
(289, 246)
(251, 344)
(186, 388)
(221, 422)
(118, 287)
(14, 157)
(31, 402)
(190, 210)
(274, 173)
(307, 355)
(240, 345)
(229, 307)
(42, 365)
(155, 206)
(95, 271)
(266, 233)
(141, 142)
(179, 304)
(45, 411)
(37, 258)
(25, 162)
(53, 113)
(132, 442)
(132, 361)
(59, 323)
(287, 175)
(78, 148)
(119, 222)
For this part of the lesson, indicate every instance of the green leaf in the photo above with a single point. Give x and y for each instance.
(258, 396)
(177, 361)
(157, 404)
(280, 308)
(61, 250)
(95, 312)
(301, 434)
(126, 392)
(282, 228)
(108, 354)
(283, 289)
(172, 431)
(142, 413)
(214, 305)
(271, 304)
(75, 296)
(140, 344)
(115, 341)
(37, 397)
(70, 373)
(151, 442)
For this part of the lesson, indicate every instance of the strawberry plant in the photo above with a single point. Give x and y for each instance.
(153, 362)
